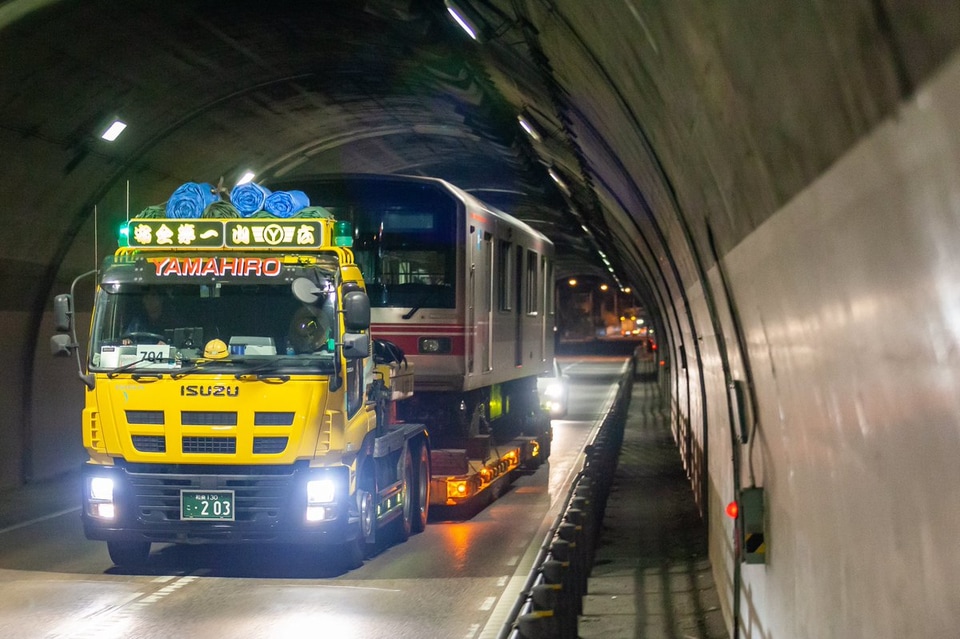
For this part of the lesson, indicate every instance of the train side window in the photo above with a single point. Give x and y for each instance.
(532, 299)
(504, 271)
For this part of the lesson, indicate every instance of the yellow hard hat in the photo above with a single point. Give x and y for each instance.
(215, 349)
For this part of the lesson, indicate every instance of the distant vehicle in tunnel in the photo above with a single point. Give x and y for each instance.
(554, 390)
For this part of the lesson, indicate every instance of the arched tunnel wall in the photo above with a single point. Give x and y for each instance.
(847, 302)
(783, 178)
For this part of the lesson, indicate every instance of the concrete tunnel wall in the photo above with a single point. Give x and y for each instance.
(826, 167)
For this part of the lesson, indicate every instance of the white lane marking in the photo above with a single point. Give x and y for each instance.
(502, 581)
(513, 560)
(114, 621)
(472, 631)
(24, 524)
(488, 603)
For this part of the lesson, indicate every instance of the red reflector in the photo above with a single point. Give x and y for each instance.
(733, 510)
(663, 362)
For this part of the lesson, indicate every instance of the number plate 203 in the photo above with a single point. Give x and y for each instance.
(207, 504)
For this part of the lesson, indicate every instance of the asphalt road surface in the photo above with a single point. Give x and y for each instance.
(456, 580)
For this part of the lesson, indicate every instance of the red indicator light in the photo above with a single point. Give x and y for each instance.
(732, 510)
(663, 362)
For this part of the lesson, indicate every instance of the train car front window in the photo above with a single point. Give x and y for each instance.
(407, 256)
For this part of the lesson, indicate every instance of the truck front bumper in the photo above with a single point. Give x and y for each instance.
(268, 504)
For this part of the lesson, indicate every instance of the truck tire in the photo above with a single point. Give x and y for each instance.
(129, 554)
(421, 490)
(364, 545)
(407, 477)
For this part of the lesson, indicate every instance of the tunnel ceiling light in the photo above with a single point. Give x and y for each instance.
(246, 178)
(556, 178)
(529, 128)
(113, 131)
(461, 19)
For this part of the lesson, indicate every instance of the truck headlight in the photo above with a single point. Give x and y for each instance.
(320, 496)
(321, 491)
(101, 498)
(101, 489)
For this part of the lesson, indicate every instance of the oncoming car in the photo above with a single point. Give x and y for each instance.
(554, 389)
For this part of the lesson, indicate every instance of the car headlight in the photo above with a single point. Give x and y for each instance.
(554, 389)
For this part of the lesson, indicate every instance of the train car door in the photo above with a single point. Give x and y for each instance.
(480, 303)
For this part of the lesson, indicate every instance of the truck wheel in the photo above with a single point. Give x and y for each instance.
(354, 552)
(129, 554)
(405, 523)
(421, 492)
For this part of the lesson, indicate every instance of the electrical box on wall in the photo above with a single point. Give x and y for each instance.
(753, 543)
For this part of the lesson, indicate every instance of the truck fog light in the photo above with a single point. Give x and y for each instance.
(104, 511)
(316, 513)
(321, 491)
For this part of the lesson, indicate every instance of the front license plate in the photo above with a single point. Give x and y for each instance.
(206, 504)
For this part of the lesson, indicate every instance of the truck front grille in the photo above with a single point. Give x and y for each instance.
(150, 443)
(210, 445)
(273, 418)
(144, 416)
(269, 445)
(208, 418)
(259, 497)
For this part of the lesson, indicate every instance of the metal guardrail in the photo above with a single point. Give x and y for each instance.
(552, 597)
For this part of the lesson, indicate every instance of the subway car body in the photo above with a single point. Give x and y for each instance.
(464, 290)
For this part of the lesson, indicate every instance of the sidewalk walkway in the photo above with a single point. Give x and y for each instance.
(651, 577)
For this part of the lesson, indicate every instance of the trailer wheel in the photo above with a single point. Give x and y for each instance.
(129, 554)
(421, 489)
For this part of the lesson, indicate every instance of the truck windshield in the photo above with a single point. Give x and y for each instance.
(173, 326)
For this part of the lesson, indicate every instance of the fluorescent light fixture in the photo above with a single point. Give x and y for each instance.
(246, 177)
(461, 19)
(529, 128)
(113, 131)
(560, 183)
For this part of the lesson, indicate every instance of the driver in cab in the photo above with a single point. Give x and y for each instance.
(149, 324)
(309, 331)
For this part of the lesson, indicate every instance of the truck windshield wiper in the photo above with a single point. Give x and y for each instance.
(261, 370)
(120, 369)
(197, 365)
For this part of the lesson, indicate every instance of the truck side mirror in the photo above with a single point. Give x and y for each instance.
(356, 311)
(61, 345)
(63, 312)
(356, 345)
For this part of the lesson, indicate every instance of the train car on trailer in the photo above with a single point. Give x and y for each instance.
(466, 292)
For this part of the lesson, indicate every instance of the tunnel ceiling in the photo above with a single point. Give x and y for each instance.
(666, 133)
(211, 90)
